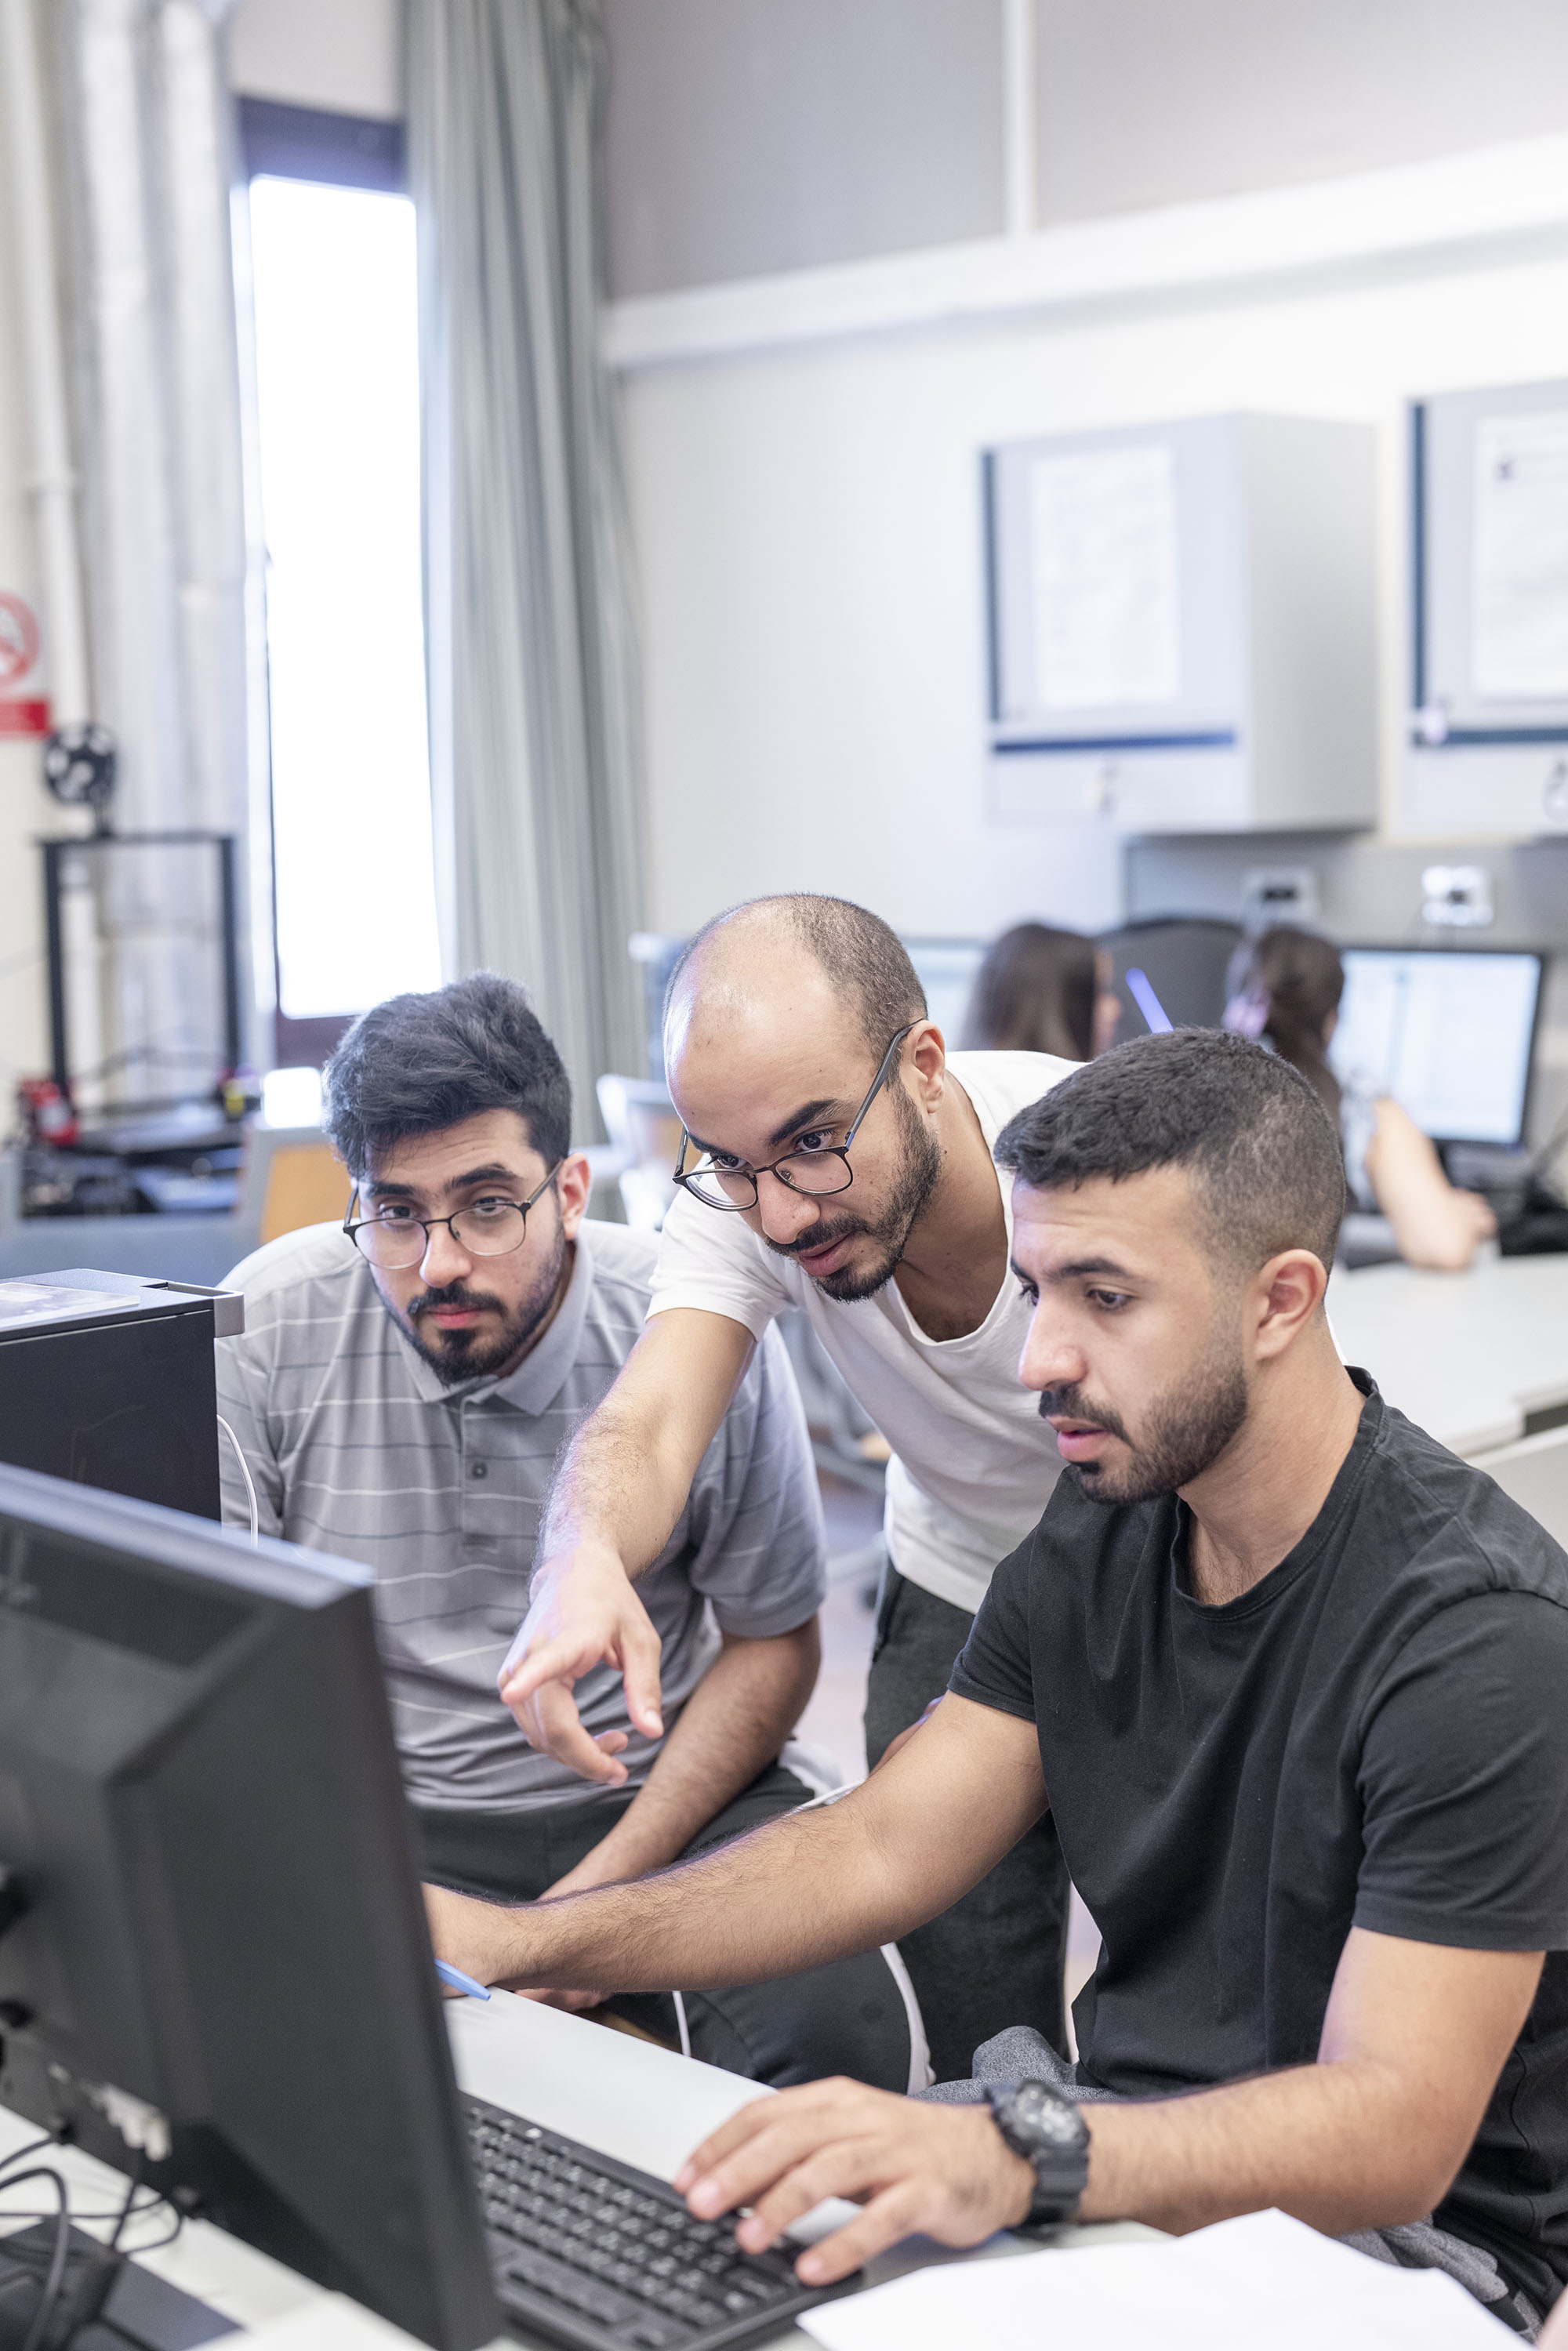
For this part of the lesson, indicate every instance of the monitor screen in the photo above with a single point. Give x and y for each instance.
(1447, 1032)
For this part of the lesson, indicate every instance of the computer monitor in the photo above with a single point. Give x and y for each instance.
(1449, 1033)
(221, 1957)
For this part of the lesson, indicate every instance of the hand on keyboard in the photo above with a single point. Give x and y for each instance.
(944, 2172)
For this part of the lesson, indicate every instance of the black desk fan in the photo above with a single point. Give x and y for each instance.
(79, 768)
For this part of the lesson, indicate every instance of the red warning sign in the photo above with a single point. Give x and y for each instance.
(21, 713)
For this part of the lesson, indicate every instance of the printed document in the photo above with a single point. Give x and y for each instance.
(1519, 612)
(1102, 541)
(1266, 2279)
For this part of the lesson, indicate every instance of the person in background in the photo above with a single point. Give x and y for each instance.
(399, 1392)
(1285, 988)
(1041, 990)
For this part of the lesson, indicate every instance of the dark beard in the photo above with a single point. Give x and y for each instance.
(1188, 1429)
(917, 1176)
(458, 1355)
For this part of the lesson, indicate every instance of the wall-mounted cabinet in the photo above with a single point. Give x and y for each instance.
(1488, 751)
(1182, 627)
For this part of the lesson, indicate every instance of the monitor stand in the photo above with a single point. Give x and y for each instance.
(140, 2313)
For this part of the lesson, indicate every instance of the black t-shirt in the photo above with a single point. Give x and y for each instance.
(1375, 1735)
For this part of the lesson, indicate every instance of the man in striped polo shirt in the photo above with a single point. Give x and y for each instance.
(400, 1393)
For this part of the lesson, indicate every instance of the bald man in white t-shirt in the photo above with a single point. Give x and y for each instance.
(836, 1160)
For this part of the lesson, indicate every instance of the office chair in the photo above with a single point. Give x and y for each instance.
(1183, 958)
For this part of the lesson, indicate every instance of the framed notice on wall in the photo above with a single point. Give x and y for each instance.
(1488, 689)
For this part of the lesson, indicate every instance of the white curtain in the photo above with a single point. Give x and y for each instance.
(533, 688)
(144, 115)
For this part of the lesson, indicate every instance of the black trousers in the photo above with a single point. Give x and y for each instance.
(848, 2017)
(996, 1956)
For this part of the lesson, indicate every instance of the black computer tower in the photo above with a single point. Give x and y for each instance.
(107, 1379)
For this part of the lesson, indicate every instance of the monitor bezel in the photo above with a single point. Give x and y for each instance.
(1542, 957)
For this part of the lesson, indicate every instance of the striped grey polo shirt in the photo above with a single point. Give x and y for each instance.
(357, 1448)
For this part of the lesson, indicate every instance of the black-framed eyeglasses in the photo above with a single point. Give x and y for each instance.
(489, 1227)
(718, 1183)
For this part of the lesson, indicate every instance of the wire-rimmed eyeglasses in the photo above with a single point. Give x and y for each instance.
(720, 1183)
(489, 1227)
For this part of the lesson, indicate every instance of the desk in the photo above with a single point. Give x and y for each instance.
(624, 2097)
(1468, 1356)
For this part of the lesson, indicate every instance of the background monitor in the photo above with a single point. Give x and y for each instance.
(1448, 1032)
(221, 1957)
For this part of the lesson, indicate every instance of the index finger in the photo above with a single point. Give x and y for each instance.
(724, 2141)
(561, 1659)
(562, 1736)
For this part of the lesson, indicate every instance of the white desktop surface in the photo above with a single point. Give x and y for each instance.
(1464, 1356)
(622, 2096)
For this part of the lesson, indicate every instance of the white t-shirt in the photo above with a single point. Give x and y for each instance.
(973, 1462)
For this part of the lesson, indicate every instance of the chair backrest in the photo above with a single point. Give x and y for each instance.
(292, 1178)
(642, 1124)
(1534, 1473)
(1184, 958)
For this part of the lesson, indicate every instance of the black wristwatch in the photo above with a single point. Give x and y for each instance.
(1052, 2136)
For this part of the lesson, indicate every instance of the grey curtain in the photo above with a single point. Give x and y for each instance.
(142, 113)
(530, 646)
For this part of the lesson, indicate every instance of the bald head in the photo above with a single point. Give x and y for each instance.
(823, 952)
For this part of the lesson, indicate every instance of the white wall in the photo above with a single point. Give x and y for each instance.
(809, 532)
(751, 135)
(1161, 101)
(343, 55)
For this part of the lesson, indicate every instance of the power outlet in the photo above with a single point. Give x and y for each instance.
(1457, 897)
(1279, 894)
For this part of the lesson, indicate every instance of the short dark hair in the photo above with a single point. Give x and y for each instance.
(862, 955)
(417, 1063)
(1253, 1135)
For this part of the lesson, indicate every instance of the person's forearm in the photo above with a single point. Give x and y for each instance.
(622, 1482)
(820, 1885)
(759, 1907)
(1336, 2145)
(732, 1726)
(617, 1488)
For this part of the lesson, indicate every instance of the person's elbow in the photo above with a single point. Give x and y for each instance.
(1412, 2153)
(1441, 1252)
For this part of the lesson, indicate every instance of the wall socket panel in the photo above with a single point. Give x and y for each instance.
(1280, 894)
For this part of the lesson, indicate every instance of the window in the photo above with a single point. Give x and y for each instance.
(336, 439)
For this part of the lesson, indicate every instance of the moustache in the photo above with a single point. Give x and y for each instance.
(455, 1294)
(1072, 1403)
(821, 1236)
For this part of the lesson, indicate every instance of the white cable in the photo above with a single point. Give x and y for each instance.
(680, 2024)
(245, 1473)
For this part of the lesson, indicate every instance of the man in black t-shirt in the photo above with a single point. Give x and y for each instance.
(1294, 1682)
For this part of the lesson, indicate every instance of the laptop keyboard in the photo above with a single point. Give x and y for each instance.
(606, 2258)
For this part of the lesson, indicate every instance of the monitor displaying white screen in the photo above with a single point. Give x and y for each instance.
(1447, 1033)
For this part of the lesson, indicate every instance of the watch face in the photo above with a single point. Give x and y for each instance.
(1046, 2116)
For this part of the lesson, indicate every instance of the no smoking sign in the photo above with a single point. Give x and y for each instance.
(21, 712)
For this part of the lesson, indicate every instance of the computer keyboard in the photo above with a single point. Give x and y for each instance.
(605, 2257)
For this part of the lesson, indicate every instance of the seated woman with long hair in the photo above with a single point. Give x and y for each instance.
(1286, 987)
(1040, 990)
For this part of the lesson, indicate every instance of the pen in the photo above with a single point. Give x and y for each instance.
(459, 1981)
